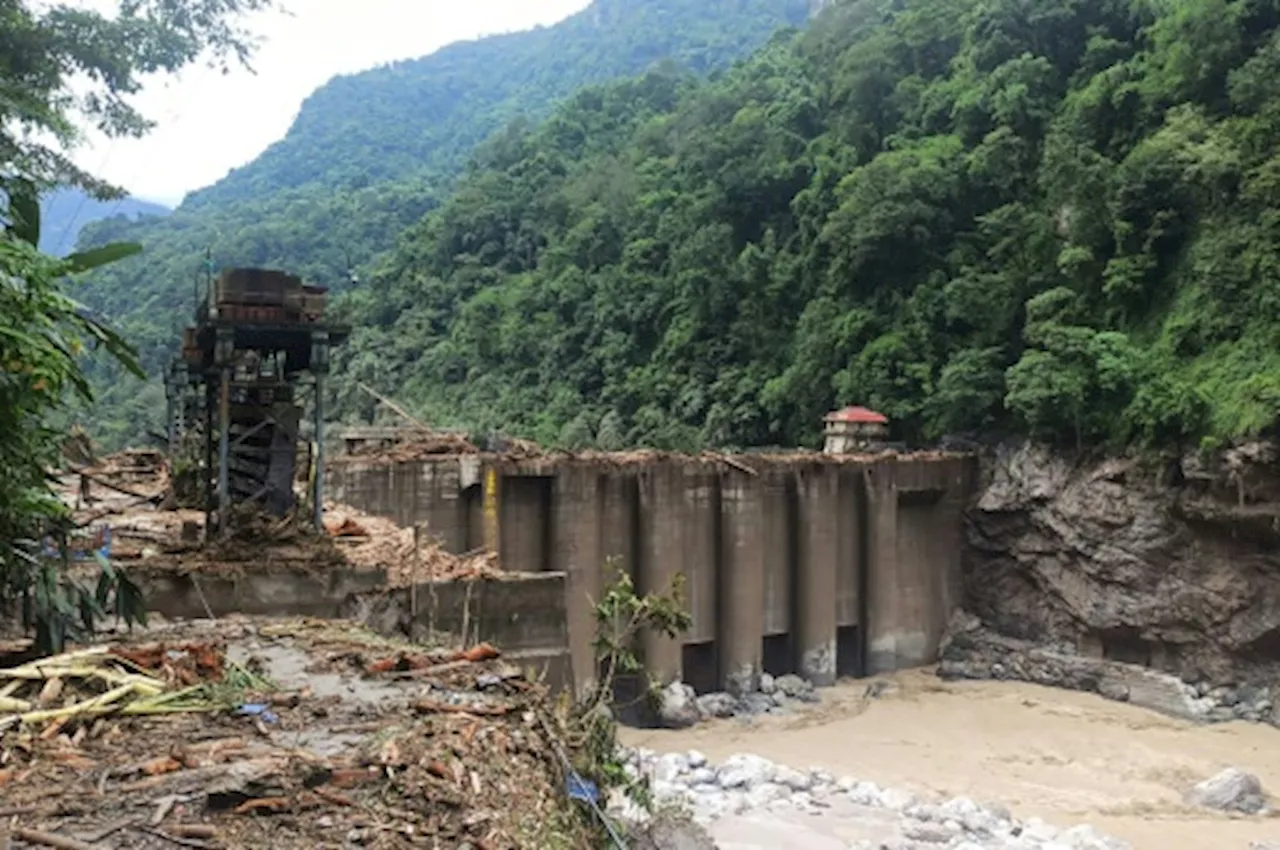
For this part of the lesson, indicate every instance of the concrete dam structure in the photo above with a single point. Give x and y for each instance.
(822, 565)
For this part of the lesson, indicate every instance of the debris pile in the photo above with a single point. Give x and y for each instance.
(336, 738)
(134, 526)
(102, 681)
(378, 543)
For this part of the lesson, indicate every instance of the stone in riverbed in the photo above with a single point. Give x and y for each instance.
(745, 772)
(678, 706)
(795, 687)
(719, 705)
(669, 766)
(793, 779)
(1232, 790)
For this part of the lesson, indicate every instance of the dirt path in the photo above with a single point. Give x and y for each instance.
(1065, 757)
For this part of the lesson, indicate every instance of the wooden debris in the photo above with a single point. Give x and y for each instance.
(48, 839)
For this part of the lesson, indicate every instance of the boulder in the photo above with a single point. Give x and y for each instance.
(678, 706)
(717, 705)
(1232, 790)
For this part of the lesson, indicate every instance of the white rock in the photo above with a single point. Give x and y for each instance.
(665, 792)
(925, 812)
(793, 779)
(845, 784)
(960, 807)
(1038, 830)
(1085, 837)
(702, 776)
(767, 684)
(1232, 790)
(696, 759)
(766, 793)
(929, 833)
(678, 706)
(669, 767)
(865, 793)
(897, 799)
(745, 772)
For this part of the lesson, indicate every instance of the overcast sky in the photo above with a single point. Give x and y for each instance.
(209, 123)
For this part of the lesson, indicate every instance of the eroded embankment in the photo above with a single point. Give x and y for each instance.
(1077, 569)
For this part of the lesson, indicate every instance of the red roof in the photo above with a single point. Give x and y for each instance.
(860, 415)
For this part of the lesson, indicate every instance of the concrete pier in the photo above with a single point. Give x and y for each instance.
(821, 565)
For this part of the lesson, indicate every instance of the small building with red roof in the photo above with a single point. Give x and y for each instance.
(853, 428)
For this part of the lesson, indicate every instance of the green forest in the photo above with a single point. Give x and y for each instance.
(1047, 217)
(370, 154)
(1050, 217)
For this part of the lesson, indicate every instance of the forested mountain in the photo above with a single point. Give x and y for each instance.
(369, 154)
(1056, 216)
(64, 212)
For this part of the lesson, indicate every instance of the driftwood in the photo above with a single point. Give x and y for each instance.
(97, 479)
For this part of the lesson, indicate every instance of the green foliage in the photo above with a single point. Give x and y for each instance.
(43, 331)
(1044, 216)
(622, 616)
(371, 153)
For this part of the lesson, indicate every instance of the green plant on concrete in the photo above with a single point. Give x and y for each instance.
(622, 615)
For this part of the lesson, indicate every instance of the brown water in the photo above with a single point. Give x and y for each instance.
(1065, 757)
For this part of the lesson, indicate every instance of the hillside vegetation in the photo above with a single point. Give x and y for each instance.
(369, 154)
(1053, 216)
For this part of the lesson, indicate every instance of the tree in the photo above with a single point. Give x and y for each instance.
(44, 47)
(43, 332)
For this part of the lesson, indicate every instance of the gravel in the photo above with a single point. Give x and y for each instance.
(750, 803)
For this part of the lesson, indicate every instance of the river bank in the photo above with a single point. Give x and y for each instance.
(1068, 758)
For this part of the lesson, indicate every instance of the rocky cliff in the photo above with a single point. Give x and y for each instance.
(1119, 575)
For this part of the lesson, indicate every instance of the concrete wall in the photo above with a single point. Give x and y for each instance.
(266, 592)
(525, 615)
(813, 564)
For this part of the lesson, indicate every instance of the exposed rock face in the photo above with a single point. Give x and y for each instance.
(1175, 569)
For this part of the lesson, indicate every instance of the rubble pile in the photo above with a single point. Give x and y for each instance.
(140, 529)
(308, 735)
(378, 543)
(414, 445)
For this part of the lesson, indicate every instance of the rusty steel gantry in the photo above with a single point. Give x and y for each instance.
(260, 336)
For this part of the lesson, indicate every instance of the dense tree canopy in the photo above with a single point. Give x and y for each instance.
(371, 153)
(1053, 216)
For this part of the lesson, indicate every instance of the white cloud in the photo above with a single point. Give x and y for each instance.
(210, 123)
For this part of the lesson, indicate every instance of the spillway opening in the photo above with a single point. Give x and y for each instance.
(849, 652)
(701, 665)
(778, 655)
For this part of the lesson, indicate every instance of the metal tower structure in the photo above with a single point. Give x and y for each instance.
(259, 345)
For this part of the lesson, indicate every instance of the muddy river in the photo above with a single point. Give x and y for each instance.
(1065, 757)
